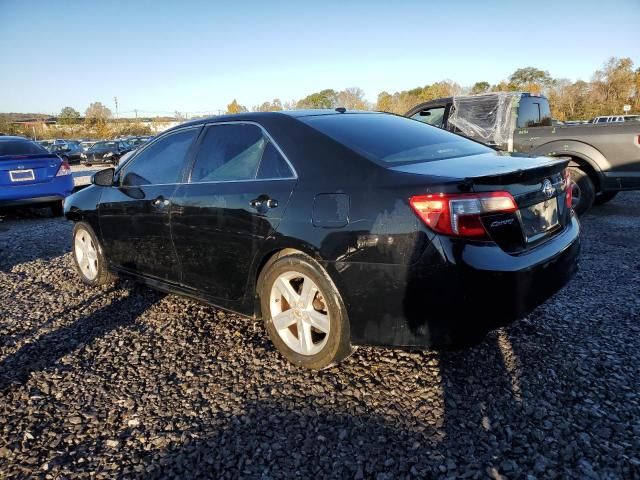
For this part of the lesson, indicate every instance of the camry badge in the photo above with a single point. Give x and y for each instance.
(548, 189)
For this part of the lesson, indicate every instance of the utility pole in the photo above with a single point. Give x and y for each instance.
(115, 99)
(136, 110)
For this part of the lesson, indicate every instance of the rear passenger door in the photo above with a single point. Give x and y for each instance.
(236, 194)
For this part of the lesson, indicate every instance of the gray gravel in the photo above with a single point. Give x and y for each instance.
(125, 381)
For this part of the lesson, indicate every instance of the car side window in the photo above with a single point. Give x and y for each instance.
(273, 165)
(162, 162)
(431, 116)
(229, 152)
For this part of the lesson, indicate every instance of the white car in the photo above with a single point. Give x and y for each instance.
(616, 118)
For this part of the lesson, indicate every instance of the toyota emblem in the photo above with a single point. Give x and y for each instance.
(548, 189)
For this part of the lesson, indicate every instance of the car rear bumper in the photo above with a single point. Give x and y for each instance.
(55, 190)
(455, 293)
(92, 159)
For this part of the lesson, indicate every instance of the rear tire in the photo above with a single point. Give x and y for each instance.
(604, 197)
(584, 192)
(57, 210)
(313, 331)
(88, 256)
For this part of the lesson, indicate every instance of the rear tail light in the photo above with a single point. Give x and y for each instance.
(568, 191)
(64, 169)
(459, 215)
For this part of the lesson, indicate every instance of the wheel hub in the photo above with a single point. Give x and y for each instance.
(299, 313)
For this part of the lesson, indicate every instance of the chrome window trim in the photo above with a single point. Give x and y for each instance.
(206, 183)
(231, 122)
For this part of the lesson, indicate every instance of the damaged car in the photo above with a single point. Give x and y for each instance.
(336, 228)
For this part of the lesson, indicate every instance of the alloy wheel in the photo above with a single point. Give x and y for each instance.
(86, 254)
(299, 313)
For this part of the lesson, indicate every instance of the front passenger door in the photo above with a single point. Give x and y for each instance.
(134, 214)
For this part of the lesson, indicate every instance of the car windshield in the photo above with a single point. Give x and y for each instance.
(104, 145)
(393, 140)
(20, 147)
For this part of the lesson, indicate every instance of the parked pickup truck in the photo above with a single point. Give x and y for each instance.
(605, 158)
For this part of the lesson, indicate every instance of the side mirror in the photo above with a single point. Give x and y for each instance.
(425, 113)
(103, 178)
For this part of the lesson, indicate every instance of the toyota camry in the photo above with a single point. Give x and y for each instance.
(336, 228)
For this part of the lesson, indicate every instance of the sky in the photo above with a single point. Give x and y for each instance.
(196, 56)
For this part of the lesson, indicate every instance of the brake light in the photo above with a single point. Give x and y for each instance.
(459, 215)
(568, 191)
(64, 169)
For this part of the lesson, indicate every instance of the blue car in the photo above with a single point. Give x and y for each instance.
(29, 174)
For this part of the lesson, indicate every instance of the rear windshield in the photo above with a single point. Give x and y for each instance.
(393, 140)
(20, 147)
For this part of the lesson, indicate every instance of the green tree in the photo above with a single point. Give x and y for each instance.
(324, 99)
(235, 107)
(530, 79)
(504, 86)
(68, 116)
(273, 106)
(480, 87)
(96, 113)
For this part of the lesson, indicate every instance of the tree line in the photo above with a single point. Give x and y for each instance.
(615, 84)
(611, 87)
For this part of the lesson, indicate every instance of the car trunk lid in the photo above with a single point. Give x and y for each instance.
(29, 169)
(537, 185)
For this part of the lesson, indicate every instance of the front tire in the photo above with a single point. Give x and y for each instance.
(604, 197)
(88, 256)
(583, 190)
(303, 312)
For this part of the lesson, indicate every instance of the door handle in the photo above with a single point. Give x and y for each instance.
(263, 202)
(160, 202)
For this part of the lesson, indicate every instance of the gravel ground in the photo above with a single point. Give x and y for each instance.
(125, 381)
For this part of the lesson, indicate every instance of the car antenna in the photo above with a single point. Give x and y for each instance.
(341, 110)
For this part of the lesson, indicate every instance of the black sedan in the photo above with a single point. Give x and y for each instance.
(337, 228)
(105, 152)
(71, 151)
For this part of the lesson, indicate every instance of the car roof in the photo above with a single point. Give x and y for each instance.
(258, 116)
(7, 138)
